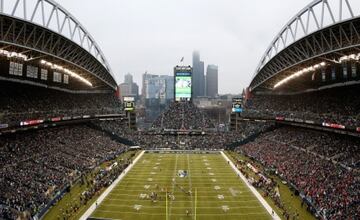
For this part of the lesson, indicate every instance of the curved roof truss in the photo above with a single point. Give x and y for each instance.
(50, 15)
(318, 15)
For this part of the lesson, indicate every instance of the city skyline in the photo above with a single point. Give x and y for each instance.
(230, 34)
(209, 78)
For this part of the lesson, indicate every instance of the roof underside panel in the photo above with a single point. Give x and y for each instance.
(295, 38)
(55, 23)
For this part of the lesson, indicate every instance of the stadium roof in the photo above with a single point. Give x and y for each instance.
(320, 34)
(43, 29)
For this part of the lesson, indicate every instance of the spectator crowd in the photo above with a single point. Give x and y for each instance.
(337, 105)
(20, 102)
(323, 167)
(35, 166)
(183, 115)
(202, 140)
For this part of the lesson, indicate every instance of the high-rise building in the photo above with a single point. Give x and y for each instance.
(129, 88)
(202, 79)
(128, 78)
(158, 87)
(125, 90)
(212, 81)
(157, 93)
(198, 78)
(135, 89)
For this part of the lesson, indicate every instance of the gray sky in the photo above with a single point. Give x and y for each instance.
(152, 35)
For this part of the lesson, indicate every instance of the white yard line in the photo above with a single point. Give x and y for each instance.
(182, 207)
(119, 195)
(252, 189)
(179, 214)
(183, 201)
(190, 185)
(92, 208)
(173, 183)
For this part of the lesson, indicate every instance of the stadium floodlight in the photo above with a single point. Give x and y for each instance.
(11, 54)
(67, 71)
(300, 73)
(349, 57)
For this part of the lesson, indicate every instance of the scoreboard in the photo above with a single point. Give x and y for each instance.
(183, 83)
(129, 103)
(237, 105)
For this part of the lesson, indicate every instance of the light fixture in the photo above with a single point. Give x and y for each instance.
(349, 57)
(10, 54)
(67, 71)
(300, 73)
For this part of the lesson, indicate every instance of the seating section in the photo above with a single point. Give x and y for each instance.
(337, 105)
(324, 167)
(182, 115)
(21, 102)
(34, 166)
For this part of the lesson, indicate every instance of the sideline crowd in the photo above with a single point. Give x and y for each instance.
(34, 166)
(316, 164)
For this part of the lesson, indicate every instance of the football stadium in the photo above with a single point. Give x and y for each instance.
(73, 145)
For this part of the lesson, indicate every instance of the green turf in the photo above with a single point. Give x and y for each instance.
(160, 169)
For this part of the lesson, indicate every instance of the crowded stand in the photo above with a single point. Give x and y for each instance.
(151, 140)
(182, 115)
(322, 167)
(203, 140)
(35, 166)
(248, 128)
(339, 106)
(22, 102)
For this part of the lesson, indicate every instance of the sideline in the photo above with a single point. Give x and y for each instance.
(92, 208)
(252, 189)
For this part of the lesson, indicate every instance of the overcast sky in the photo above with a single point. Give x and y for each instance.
(152, 35)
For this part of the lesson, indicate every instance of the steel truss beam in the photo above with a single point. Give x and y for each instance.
(31, 36)
(316, 17)
(326, 41)
(48, 27)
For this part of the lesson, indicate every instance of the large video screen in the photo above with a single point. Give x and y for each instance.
(129, 103)
(237, 105)
(183, 86)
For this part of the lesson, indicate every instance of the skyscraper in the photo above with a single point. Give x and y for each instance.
(129, 88)
(158, 87)
(128, 78)
(212, 80)
(198, 76)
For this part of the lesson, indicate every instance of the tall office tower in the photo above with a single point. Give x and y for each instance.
(212, 80)
(129, 88)
(143, 88)
(158, 87)
(125, 90)
(198, 76)
(135, 90)
(128, 78)
(202, 79)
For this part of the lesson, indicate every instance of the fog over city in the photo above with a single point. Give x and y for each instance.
(142, 35)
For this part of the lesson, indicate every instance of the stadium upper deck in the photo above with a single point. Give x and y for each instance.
(318, 47)
(42, 43)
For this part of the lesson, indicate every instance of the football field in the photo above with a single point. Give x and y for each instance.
(181, 186)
